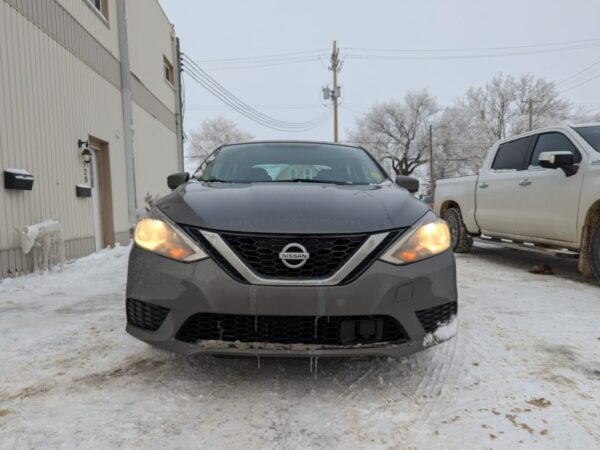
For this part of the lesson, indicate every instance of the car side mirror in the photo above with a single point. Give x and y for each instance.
(409, 183)
(177, 179)
(559, 160)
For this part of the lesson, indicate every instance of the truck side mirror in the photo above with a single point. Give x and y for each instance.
(409, 183)
(177, 179)
(559, 160)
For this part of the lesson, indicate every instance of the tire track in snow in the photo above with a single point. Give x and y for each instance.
(433, 387)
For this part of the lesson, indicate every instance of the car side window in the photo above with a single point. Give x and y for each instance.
(553, 142)
(511, 155)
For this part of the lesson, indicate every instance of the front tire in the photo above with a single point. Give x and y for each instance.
(594, 252)
(461, 239)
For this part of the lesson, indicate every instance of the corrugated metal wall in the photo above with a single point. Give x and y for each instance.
(154, 97)
(58, 84)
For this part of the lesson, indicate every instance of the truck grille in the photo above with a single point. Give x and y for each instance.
(334, 330)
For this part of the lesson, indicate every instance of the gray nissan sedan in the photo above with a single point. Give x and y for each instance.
(291, 249)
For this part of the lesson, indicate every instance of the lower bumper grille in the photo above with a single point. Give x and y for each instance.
(431, 318)
(145, 315)
(334, 330)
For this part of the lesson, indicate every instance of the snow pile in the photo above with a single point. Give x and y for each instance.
(33, 231)
(18, 171)
(524, 372)
(444, 331)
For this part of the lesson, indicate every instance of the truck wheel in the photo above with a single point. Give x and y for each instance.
(595, 252)
(461, 239)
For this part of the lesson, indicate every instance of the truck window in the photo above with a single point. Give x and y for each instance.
(591, 134)
(553, 142)
(511, 155)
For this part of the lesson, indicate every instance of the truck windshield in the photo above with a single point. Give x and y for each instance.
(591, 135)
(290, 162)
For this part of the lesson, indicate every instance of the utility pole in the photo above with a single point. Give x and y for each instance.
(335, 62)
(530, 113)
(431, 180)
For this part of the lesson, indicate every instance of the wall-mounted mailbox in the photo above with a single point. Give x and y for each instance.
(18, 179)
(83, 191)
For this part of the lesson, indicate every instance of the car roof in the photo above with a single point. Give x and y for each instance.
(281, 141)
(560, 126)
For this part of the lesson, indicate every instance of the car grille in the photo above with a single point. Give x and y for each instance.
(288, 329)
(213, 253)
(261, 253)
(431, 318)
(145, 315)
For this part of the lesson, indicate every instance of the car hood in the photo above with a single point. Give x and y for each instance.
(295, 208)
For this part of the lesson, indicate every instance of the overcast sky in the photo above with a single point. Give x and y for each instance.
(227, 29)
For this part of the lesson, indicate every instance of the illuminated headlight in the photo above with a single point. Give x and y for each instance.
(159, 236)
(428, 238)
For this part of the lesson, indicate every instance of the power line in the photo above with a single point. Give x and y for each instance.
(255, 66)
(251, 114)
(581, 84)
(210, 84)
(575, 75)
(260, 106)
(316, 52)
(475, 49)
(374, 57)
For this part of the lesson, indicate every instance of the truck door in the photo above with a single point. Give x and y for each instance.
(497, 204)
(551, 199)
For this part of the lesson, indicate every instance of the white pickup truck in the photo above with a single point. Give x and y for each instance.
(539, 190)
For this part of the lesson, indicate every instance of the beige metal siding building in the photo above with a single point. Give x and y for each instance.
(105, 72)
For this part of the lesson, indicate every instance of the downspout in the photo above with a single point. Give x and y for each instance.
(126, 100)
(178, 100)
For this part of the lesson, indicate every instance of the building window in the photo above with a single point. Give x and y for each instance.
(168, 68)
(101, 6)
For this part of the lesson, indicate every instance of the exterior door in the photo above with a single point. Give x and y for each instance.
(551, 199)
(96, 201)
(498, 206)
(102, 195)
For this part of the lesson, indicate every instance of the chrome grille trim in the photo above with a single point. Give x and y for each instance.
(364, 250)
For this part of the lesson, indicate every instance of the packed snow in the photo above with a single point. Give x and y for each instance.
(523, 372)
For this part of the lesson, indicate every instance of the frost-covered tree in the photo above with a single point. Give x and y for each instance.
(212, 133)
(547, 107)
(396, 131)
(501, 108)
(459, 146)
(490, 108)
(497, 110)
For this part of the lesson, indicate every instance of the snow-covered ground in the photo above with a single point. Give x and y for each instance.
(524, 372)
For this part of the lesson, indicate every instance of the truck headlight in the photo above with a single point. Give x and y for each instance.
(160, 236)
(429, 237)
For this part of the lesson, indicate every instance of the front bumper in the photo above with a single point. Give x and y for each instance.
(383, 289)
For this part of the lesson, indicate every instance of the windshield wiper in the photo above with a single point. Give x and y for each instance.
(308, 180)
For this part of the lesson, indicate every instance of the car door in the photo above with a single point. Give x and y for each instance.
(497, 203)
(551, 199)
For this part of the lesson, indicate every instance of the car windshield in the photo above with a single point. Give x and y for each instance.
(591, 135)
(290, 162)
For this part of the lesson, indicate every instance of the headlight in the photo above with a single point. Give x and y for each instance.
(161, 237)
(428, 238)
